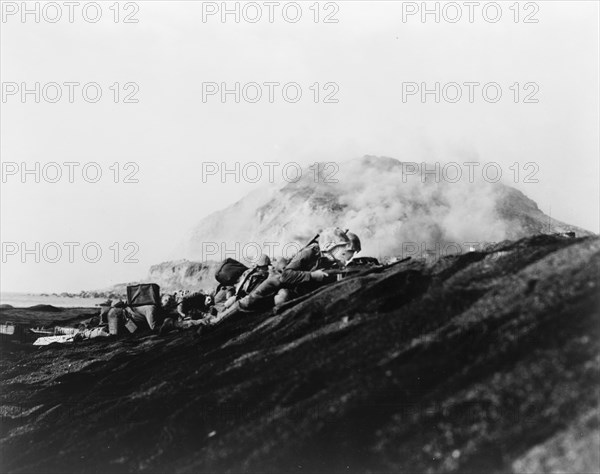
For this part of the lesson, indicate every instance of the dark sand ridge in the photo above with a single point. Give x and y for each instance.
(483, 362)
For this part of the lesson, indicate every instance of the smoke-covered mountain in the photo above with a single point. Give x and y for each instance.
(392, 206)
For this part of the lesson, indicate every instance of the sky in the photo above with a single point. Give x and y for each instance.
(161, 119)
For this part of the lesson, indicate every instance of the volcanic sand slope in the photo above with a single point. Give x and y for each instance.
(483, 362)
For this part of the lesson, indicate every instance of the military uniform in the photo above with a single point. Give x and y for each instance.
(295, 279)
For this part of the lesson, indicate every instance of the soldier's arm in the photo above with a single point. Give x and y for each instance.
(298, 270)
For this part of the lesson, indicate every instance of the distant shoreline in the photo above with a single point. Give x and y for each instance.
(64, 294)
(45, 308)
(28, 300)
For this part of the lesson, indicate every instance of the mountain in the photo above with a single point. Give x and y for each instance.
(486, 361)
(392, 206)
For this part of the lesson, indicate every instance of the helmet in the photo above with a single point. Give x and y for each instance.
(331, 238)
(263, 261)
(337, 245)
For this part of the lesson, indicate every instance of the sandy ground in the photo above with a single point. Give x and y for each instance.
(484, 362)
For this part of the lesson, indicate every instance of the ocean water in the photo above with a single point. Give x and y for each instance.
(25, 300)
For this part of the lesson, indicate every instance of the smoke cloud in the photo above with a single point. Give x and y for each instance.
(387, 203)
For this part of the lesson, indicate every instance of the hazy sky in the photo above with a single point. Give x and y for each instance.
(170, 132)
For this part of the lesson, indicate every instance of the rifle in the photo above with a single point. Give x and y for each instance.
(351, 270)
(345, 272)
(312, 241)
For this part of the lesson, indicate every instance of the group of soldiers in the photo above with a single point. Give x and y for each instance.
(263, 286)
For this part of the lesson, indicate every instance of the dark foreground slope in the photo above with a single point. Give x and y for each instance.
(485, 362)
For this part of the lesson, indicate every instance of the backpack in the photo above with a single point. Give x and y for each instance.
(230, 271)
(252, 280)
(144, 294)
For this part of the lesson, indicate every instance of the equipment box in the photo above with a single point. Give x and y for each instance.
(140, 295)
